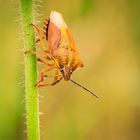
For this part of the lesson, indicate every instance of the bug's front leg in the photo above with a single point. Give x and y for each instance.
(42, 77)
(51, 84)
(54, 83)
(55, 80)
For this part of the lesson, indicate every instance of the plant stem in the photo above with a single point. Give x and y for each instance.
(30, 72)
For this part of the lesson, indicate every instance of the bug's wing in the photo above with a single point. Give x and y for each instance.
(54, 36)
(55, 25)
(73, 46)
(57, 19)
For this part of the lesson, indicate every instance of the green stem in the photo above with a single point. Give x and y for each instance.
(30, 72)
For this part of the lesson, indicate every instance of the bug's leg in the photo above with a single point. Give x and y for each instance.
(44, 62)
(37, 54)
(43, 85)
(42, 78)
(56, 76)
(40, 38)
(52, 84)
(55, 81)
(45, 29)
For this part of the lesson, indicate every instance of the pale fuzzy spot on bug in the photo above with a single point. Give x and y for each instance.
(57, 19)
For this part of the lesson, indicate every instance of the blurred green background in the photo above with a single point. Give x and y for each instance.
(107, 34)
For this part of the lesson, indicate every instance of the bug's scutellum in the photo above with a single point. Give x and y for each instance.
(61, 51)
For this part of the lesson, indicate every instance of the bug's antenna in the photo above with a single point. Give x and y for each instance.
(84, 88)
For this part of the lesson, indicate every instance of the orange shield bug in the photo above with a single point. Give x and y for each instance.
(61, 51)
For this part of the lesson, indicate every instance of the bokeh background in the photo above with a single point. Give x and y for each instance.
(107, 33)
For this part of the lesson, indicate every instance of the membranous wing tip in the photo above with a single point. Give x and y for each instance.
(57, 19)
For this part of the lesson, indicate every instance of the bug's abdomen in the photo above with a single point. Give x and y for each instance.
(45, 27)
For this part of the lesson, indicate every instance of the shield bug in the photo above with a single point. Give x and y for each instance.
(61, 51)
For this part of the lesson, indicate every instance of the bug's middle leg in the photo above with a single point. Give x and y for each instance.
(37, 54)
(45, 62)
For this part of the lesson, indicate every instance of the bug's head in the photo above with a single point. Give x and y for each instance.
(66, 72)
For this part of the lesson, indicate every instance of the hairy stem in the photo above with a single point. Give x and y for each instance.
(30, 71)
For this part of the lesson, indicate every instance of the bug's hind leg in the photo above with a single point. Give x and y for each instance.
(40, 38)
(45, 29)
